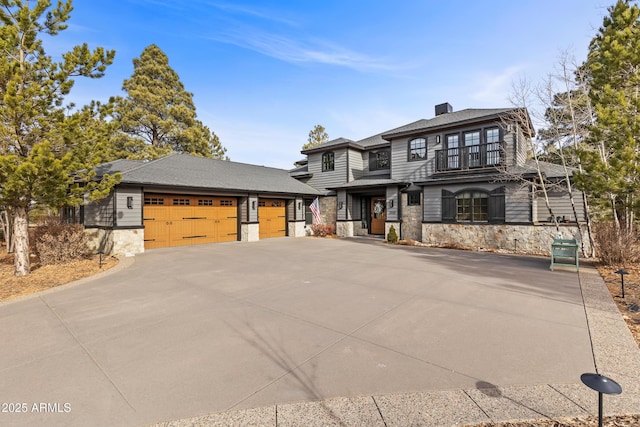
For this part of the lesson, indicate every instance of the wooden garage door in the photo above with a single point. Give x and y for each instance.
(272, 215)
(179, 220)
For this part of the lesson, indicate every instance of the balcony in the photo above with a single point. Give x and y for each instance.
(470, 157)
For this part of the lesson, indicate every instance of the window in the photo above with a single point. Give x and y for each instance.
(453, 152)
(472, 206)
(492, 138)
(413, 199)
(226, 202)
(308, 215)
(205, 202)
(379, 160)
(185, 202)
(472, 140)
(328, 163)
(417, 149)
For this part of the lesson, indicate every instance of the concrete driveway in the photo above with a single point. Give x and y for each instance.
(190, 331)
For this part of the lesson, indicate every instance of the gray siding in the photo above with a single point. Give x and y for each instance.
(355, 164)
(100, 213)
(414, 170)
(299, 209)
(125, 216)
(243, 204)
(432, 198)
(253, 208)
(342, 198)
(517, 204)
(432, 202)
(329, 179)
(393, 198)
(522, 146)
(560, 205)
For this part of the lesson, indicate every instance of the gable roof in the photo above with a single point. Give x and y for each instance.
(181, 170)
(455, 118)
(443, 121)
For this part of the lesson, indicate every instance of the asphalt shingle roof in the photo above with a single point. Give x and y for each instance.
(180, 170)
(447, 119)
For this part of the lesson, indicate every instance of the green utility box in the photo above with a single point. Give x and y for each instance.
(564, 252)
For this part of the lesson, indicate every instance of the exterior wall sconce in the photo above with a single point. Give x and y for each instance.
(253, 205)
(299, 205)
(437, 139)
(390, 203)
(340, 205)
(129, 202)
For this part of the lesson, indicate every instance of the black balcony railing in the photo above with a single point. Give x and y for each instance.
(469, 157)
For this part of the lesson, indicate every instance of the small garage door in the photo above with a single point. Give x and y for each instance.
(272, 215)
(179, 220)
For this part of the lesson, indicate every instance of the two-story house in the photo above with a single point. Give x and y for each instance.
(461, 179)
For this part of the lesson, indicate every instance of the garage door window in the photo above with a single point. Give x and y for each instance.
(226, 202)
(184, 202)
(205, 202)
(153, 201)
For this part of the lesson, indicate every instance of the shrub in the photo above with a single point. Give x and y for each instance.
(616, 247)
(392, 236)
(56, 242)
(322, 230)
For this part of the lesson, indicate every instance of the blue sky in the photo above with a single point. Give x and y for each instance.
(263, 73)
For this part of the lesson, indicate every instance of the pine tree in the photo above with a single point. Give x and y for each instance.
(317, 136)
(44, 156)
(611, 159)
(158, 116)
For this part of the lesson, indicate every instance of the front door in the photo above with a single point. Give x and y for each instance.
(378, 215)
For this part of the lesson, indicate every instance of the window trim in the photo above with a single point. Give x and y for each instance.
(374, 164)
(328, 161)
(414, 194)
(496, 206)
(411, 149)
(472, 205)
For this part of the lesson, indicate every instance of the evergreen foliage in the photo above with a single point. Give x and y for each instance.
(611, 159)
(317, 136)
(47, 155)
(158, 117)
(392, 236)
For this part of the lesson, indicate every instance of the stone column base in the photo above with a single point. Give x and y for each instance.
(116, 242)
(250, 232)
(297, 229)
(345, 228)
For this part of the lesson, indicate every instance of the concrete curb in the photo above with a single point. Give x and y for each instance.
(615, 355)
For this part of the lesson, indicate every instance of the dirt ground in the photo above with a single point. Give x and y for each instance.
(46, 277)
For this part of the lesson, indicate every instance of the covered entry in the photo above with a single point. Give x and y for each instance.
(272, 215)
(181, 220)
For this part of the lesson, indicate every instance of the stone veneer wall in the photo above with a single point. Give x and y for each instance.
(328, 209)
(116, 242)
(411, 221)
(531, 239)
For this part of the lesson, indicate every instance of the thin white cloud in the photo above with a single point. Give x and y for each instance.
(294, 50)
(252, 11)
(493, 89)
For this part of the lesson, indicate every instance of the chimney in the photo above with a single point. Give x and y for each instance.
(443, 109)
